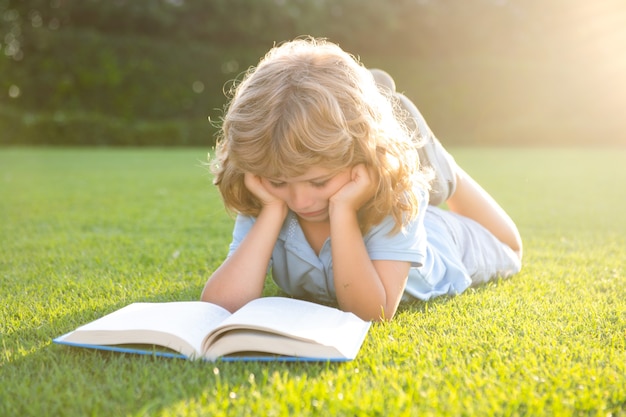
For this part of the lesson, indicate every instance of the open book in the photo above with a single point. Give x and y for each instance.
(260, 330)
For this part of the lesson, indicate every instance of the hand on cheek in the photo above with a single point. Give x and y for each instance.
(358, 190)
(254, 184)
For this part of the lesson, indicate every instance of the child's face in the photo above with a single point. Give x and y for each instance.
(307, 195)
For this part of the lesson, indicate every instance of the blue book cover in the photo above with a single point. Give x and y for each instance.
(266, 329)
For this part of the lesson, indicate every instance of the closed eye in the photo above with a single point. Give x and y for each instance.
(319, 184)
(277, 184)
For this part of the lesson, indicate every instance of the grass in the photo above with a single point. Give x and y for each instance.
(86, 231)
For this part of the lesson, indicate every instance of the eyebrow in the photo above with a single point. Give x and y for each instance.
(315, 179)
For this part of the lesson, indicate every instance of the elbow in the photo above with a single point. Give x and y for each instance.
(213, 296)
(205, 296)
(386, 314)
(370, 308)
(375, 312)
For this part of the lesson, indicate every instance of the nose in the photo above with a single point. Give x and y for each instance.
(299, 197)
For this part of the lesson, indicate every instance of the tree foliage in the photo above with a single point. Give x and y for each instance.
(124, 64)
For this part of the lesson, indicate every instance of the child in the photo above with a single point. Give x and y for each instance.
(327, 168)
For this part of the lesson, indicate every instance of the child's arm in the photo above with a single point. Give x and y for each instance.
(370, 289)
(241, 277)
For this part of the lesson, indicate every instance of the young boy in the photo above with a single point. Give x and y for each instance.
(327, 168)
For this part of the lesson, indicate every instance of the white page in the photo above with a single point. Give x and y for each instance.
(302, 320)
(189, 320)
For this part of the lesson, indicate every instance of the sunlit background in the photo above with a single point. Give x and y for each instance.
(150, 72)
(524, 72)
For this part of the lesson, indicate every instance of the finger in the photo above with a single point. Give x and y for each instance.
(359, 171)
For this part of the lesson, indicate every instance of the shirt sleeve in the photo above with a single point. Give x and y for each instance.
(243, 224)
(409, 244)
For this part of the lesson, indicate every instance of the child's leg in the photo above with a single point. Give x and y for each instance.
(462, 193)
(471, 200)
(431, 153)
(383, 79)
(451, 183)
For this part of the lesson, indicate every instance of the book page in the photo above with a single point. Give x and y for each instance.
(151, 323)
(300, 320)
(256, 344)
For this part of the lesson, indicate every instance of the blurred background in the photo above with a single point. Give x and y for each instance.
(151, 72)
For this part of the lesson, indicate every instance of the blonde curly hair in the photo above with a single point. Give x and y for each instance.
(309, 103)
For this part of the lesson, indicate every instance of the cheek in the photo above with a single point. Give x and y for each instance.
(341, 180)
(336, 185)
(330, 191)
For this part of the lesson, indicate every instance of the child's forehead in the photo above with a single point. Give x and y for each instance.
(304, 174)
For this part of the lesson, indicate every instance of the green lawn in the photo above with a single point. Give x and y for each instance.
(84, 232)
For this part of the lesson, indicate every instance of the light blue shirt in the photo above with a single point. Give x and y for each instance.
(299, 272)
(436, 266)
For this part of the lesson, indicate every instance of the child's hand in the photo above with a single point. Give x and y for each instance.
(255, 186)
(356, 192)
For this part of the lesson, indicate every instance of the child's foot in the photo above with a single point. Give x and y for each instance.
(383, 79)
(432, 153)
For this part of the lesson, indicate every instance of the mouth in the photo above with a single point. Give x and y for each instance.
(312, 213)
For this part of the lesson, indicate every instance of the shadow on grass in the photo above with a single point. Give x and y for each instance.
(60, 380)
